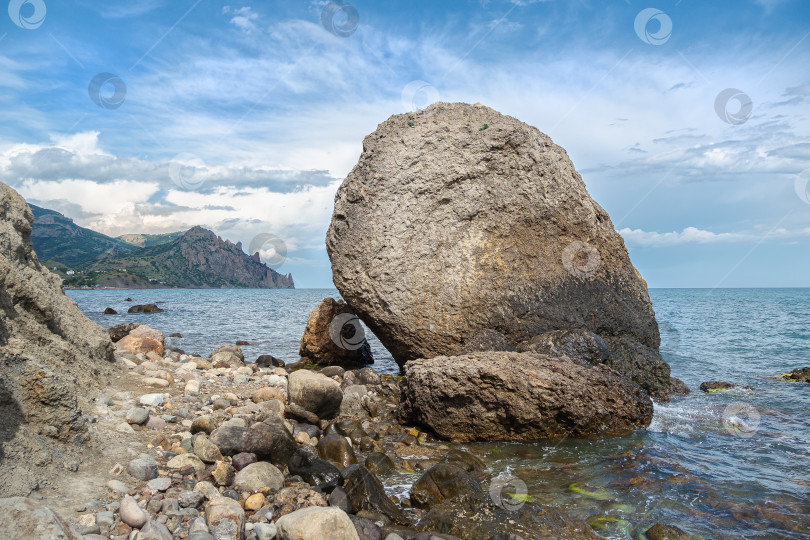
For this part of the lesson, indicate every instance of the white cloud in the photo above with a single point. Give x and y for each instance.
(243, 18)
(693, 235)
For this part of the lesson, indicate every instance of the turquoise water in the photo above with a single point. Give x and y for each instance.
(722, 465)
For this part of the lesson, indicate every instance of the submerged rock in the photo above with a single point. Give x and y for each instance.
(677, 387)
(445, 230)
(519, 396)
(335, 336)
(440, 482)
(666, 532)
(797, 375)
(719, 386)
(145, 308)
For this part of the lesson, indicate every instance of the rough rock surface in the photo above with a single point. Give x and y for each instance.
(641, 364)
(519, 396)
(335, 336)
(316, 522)
(459, 219)
(315, 392)
(51, 357)
(26, 519)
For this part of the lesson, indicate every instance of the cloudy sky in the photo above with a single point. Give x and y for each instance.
(689, 121)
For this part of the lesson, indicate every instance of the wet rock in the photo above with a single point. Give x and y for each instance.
(110, 311)
(313, 470)
(310, 430)
(337, 449)
(439, 221)
(145, 308)
(379, 463)
(26, 519)
(798, 375)
(269, 440)
(666, 532)
(315, 392)
(479, 517)
(225, 519)
(641, 364)
(440, 482)
(519, 396)
(367, 493)
(473, 465)
(316, 522)
(132, 514)
(719, 386)
(334, 335)
(677, 387)
(259, 475)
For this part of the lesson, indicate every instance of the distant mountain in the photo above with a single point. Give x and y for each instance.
(149, 240)
(58, 240)
(195, 259)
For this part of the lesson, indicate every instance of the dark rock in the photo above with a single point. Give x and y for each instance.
(143, 469)
(290, 499)
(641, 364)
(439, 222)
(486, 340)
(337, 449)
(120, 331)
(314, 470)
(368, 377)
(677, 387)
(719, 386)
(243, 459)
(335, 336)
(379, 463)
(440, 482)
(146, 308)
(799, 375)
(267, 360)
(666, 532)
(478, 517)
(576, 344)
(309, 429)
(340, 499)
(228, 439)
(110, 311)
(296, 412)
(366, 530)
(473, 465)
(367, 493)
(176, 334)
(333, 371)
(269, 440)
(519, 396)
(127, 299)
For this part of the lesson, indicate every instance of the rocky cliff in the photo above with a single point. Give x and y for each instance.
(51, 359)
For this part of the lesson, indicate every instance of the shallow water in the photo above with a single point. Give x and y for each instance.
(723, 465)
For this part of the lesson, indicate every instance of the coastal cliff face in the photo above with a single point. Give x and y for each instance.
(51, 358)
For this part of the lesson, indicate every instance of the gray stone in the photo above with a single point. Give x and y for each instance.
(265, 531)
(132, 514)
(190, 499)
(137, 416)
(152, 400)
(315, 392)
(105, 520)
(143, 469)
(259, 475)
(225, 519)
(160, 484)
(117, 486)
(458, 219)
(25, 519)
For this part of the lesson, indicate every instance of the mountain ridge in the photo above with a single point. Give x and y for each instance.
(196, 258)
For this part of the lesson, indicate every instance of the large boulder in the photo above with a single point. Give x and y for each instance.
(335, 336)
(315, 392)
(519, 396)
(52, 360)
(142, 340)
(316, 522)
(459, 220)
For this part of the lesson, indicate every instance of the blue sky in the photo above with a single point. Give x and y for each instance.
(245, 116)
